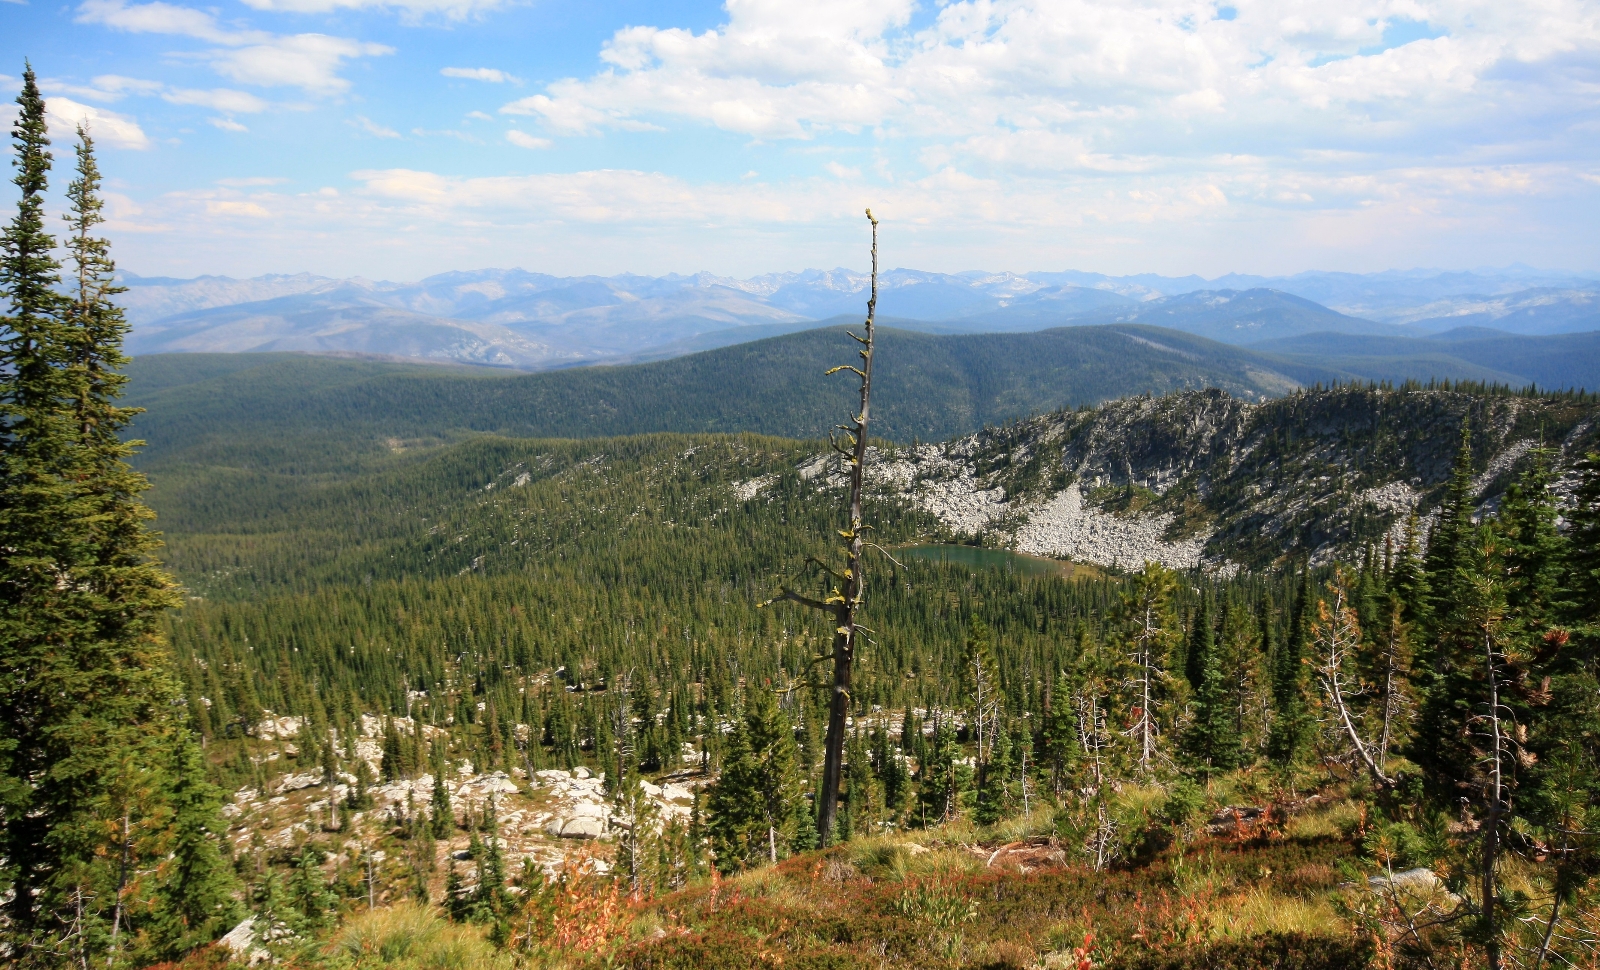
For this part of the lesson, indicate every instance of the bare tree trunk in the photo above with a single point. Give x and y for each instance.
(1491, 835)
(1146, 725)
(849, 593)
(1338, 634)
(1392, 674)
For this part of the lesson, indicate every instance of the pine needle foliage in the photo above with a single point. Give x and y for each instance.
(86, 695)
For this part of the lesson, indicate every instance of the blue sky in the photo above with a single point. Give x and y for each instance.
(398, 139)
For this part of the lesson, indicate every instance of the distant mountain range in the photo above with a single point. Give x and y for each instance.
(532, 321)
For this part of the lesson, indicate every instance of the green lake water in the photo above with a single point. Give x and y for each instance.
(974, 557)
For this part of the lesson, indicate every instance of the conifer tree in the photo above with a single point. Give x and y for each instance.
(457, 901)
(392, 765)
(359, 797)
(863, 795)
(1211, 742)
(1449, 542)
(277, 919)
(940, 777)
(1535, 551)
(194, 900)
(83, 677)
(1582, 567)
(751, 803)
(848, 594)
(490, 899)
(308, 891)
(1244, 667)
(1290, 721)
(893, 774)
(1338, 641)
(1199, 644)
(993, 780)
(442, 815)
(805, 827)
(1060, 734)
(1563, 797)
(1473, 719)
(1408, 579)
(1144, 611)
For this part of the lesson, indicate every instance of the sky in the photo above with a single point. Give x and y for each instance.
(394, 139)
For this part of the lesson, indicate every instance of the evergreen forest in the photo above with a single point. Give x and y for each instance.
(351, 706)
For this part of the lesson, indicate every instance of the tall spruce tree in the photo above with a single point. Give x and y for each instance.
(1211, 742)
(994, 789)
(1535, 549)
(1563, 799)
(1144, 611)
(194, 900)
(940, 777)
(752, 804)
(84, 679)
(442, 816)
(1451, 536)
(1291, 727)
(1060, 733)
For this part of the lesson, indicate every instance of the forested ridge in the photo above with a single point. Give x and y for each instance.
(443, 693)
(933, 387)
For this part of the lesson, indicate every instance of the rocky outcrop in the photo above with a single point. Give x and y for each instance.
(1202, 479)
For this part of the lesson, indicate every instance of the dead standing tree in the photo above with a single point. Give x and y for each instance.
(1337, 634)
(849, 590)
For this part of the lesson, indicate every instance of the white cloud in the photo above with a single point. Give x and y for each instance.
(233, 208)
(308, 61)
(217, 99)
(227, 124)
(373, 128)
(611, 220)
(112, 87)
(524, 140)
(411, 10)
(106, 127)
(1119, 80)
(163, 18)
(489, 74)
(1121, 136)
(105, 87)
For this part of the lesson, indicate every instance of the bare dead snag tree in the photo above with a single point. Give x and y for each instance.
(1338, 636)
(849, 590)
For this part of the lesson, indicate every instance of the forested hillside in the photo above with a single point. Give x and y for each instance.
(1233, 755)
(933, 387)
(268, 411)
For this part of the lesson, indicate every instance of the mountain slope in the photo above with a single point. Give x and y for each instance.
(346, 322)
(1533, 311)
(1203, 478)
(1555, 361)
(1235, 316)
(929, 387)
(561, 320)
(1190, 479)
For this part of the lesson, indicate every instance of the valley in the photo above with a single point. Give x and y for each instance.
(366, 629)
